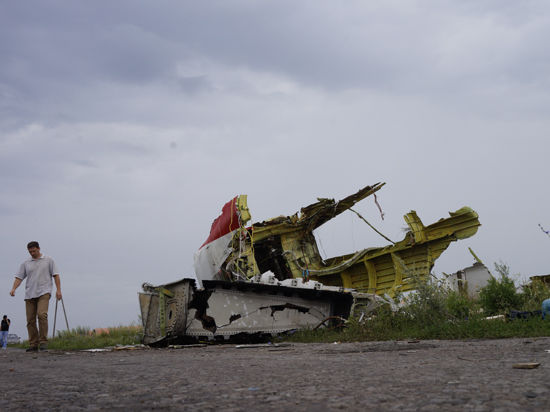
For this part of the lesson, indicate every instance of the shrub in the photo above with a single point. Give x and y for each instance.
(460, 305)
(533, 294)
(427, 304)
(500, 295)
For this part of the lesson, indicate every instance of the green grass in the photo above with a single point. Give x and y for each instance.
(405, 329)
(436, 312)
(85, 338)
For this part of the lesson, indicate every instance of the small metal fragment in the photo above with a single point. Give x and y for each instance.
(196, 345)
(264, 345)
(527, 365)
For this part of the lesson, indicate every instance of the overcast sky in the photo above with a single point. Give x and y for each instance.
(126, 125)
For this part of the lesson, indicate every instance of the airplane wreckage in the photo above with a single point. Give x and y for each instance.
(269, 277)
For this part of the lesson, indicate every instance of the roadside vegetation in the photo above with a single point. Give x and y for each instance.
(435, 311)
(86, 338)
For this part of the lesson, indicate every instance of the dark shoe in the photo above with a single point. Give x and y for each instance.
(43, 348)
(32, 349)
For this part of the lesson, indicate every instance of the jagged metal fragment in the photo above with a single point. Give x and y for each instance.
(222, 309)
(286, 246)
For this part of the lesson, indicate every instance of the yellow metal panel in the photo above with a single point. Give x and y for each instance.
(346, 279)
(416, 225)
(242, 206)
(400, 269)
(371, 270)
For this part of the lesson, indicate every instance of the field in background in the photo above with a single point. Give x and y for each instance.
(86, 338)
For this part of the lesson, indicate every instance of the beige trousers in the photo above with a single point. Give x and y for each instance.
(37, 308)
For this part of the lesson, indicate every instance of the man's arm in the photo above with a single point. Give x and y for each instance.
(57, 280)
(16, 284)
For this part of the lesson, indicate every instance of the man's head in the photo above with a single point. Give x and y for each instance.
(5, 317)
(34, 249)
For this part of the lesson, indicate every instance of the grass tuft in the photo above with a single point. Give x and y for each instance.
(83, 337)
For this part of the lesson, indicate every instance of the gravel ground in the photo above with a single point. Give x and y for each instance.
(473, 375)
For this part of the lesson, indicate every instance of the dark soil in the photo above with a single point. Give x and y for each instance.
(427, 376)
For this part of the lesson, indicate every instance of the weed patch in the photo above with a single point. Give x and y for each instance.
(434, 311)
(86, 338)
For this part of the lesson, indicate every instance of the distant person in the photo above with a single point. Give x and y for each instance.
(39, 271)
(545, 308)
(4, 328)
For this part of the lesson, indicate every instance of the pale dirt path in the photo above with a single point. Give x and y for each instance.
(427, 376)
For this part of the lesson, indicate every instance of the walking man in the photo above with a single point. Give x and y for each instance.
(4, 328)
(39, 271)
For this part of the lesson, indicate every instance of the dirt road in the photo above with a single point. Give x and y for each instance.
(425, 375)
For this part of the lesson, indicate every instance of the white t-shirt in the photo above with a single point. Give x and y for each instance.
(39, 273)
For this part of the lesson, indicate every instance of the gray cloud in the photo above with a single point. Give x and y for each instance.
(58, 54)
